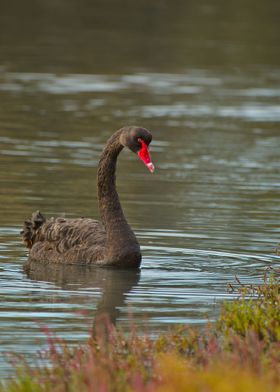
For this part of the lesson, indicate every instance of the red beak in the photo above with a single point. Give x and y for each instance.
(144, 154)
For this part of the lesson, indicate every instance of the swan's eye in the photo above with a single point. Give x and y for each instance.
(142, 142)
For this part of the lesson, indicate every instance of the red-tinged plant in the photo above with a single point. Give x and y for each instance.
(241, 352)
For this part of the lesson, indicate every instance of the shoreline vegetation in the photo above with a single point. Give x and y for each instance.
(239, 352)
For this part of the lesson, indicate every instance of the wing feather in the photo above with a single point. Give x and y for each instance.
(68, 241)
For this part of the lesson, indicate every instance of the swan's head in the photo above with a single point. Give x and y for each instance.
(138, 139)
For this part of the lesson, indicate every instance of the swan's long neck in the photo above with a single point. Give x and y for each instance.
(119, 234)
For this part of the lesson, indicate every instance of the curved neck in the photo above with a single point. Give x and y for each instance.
(112, 216)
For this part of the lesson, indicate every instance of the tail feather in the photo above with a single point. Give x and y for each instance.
(31, 227)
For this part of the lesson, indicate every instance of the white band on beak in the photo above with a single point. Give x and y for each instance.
(151, 167)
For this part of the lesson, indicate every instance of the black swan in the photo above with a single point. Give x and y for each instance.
(110, 242)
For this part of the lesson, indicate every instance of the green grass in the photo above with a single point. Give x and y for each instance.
(256, 310)
(240, 352)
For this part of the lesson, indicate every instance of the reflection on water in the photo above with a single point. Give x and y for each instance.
(204, 77)
(114, 284)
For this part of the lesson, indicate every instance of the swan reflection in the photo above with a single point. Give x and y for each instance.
(114, 284)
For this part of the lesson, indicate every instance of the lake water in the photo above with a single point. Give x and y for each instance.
(204, 77)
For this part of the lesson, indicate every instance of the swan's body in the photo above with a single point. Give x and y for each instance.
(110, 242)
